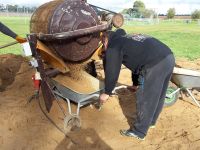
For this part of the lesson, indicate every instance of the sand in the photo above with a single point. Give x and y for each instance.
(9, 66)
(24, 127)
(78, 80)
(84, 85)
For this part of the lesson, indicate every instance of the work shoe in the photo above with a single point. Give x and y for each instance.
(131, 133)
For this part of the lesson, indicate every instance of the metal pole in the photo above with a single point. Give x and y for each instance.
(9, 44)
(7, 9)
(192, 97)
(103, 9)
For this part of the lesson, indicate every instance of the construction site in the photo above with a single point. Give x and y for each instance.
(49, 95)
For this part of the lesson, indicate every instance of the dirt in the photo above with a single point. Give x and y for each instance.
(9, 66)
(23, 126)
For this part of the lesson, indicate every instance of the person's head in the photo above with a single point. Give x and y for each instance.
(108, 36)
(99, 53)
(104, 39)
(120, 32)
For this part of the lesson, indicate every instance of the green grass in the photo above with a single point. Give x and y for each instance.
(182, 38)
(20, 25)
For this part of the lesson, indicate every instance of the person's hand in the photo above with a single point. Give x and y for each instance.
(20, 39)
(103, 98)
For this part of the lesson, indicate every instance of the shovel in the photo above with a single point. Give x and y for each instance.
(9, 44)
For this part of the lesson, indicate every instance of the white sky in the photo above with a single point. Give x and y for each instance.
(160, 6)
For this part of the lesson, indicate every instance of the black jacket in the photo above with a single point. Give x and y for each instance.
(134, 51)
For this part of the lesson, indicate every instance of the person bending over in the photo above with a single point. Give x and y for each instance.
(154, 63)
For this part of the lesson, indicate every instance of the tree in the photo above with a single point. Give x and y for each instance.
(171, 13)
(11, 8)
(138, 5)
(196, 14)
(2, 7)
(128, 11)
(148, 13)
(138, 8)
(124, 11)
(139, 11)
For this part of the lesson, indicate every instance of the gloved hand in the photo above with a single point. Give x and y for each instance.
(20, 39)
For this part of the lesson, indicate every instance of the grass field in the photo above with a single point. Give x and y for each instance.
(182, 38)
(19, 25)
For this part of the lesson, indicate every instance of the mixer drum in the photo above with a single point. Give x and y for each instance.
(67, 15)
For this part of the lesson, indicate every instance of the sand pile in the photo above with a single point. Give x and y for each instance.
(9, 66)
(76, 70)
(23, 126)
(79, 80)
(183, 63)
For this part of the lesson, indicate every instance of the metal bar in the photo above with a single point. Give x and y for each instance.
(78, 109)
(103, 8)
(60, 106)
(89, 97)
(85, 99)
(52, 72)
(170, 95)
(68, 101)
(46, 89)
(9, 44)
(69, 106)
(47, 94)
(192, 97)
(73, 34)
(79, 103)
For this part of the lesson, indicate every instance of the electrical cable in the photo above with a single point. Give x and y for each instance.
(50, 120)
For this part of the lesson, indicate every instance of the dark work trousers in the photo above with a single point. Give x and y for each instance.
(150, 97)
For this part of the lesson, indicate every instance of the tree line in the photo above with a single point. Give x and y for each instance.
(137, 11)
(17, 8)
(140, 11)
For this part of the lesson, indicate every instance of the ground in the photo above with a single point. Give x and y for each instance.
(23, 125)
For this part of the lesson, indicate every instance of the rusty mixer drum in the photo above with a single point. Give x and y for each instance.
(67, 15)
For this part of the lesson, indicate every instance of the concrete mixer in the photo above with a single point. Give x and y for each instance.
(64, 38)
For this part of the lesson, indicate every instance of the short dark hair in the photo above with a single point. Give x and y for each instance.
(109, 34)
(105, 35)
(120, 31)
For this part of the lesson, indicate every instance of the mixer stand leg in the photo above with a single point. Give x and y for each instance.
(190, 93)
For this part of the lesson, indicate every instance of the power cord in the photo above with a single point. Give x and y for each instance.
(50, 120)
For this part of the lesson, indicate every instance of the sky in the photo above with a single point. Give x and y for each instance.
(160, 6)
